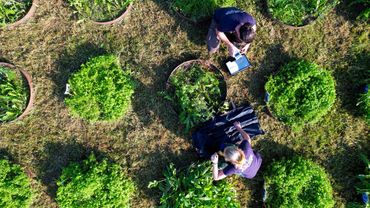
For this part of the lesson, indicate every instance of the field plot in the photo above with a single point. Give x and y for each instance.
(151, 41)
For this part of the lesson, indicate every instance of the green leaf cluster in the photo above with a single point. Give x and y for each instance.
(100, 90)
(300, 93)
(297, 182)
(197, 94)
(94, 184)
(197, 10)
(194, 187)
(15, 188)
(297, 12)
(364, 185)
(99, 10)
(13, 94)
(13, 10)
(364, 103)
(365, 13)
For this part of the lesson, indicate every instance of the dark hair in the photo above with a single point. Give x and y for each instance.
(247, 33)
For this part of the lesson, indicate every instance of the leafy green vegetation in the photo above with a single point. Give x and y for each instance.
(297, 182)
(100, 90)
(94, 184)
(13, 94)
(300, 93)
(194, 187)
(364, 185)
(15, 188)
(13, 10)
(99, 10)
(197, 94)
(364, 103)
(365, 13)
(298, 13)
(197, 10)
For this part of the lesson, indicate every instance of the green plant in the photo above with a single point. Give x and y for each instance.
(297, 12)
(99, 10)
(15, 188)
(364, 103)
(297, 182)
(300, 93)
(100, 90)
(194, 187)
(94, 184)
(13, 94)
(197, 95)
(364, 185)
(197, 10)
(13, 10)
(365, 13)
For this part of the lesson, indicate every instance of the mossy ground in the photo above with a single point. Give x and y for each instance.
(154, 40)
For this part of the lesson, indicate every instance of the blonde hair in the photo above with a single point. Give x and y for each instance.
(234, 155)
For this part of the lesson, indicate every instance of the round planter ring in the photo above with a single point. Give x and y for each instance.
(205, 65)
(25, 18)
(182, 16)
(117, 20)
(31, 97)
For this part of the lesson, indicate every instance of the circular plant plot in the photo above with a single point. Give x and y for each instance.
(16, 94)
(300, 93)
(15, 12)
(196, 10)
(94, 183)
(197, 89)
(101, 12)
(299, 13)
(194, 187)
(100, 90)
(15, 188)
(297, 182)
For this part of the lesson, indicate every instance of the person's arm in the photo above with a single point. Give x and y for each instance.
(217, 174)
(246, 47)
(232, 49)
(244, 134)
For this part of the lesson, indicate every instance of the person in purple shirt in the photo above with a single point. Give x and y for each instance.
(242, 159)
(234, 27)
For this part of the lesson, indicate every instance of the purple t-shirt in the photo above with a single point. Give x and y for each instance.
(228, 18)
(252, 162)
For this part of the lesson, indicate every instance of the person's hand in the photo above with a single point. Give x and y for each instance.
(237, 125)
(233, 50)
(245, 49)
(214, 158)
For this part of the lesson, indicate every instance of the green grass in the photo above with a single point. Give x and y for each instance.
(297, 12)
(13, 10)
(99, 10)
(13, 94)
(150, 137)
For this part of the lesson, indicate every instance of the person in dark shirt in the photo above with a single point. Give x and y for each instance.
(242, 159)
(234, 27)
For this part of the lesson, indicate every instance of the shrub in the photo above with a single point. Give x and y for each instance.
(298, 13)
(13, 94)
(98, 10)
(197, 94)
(13, 10)
(15, 188)
(364, 103)
(197, 10)
(300, 93)
(297, 182)
(94, 184)
(100, 90)
(194, 187)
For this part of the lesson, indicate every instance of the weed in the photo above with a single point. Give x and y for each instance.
(101, 90)
(13, 10)
(298, 13)
(94, 184)
(364, 103)
(99, 10)
(194, 187)
(297, 182)
(13, 94)
(300, 93)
